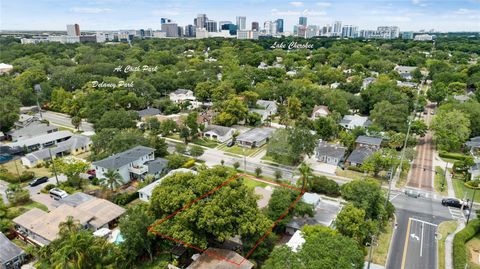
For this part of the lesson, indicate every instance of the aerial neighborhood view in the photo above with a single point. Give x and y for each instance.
(240, 134)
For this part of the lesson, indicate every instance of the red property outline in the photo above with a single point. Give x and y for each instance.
(158, 222)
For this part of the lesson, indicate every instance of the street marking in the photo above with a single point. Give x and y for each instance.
(405, 246)
(391, 199)
(426, 222)
(421, 241)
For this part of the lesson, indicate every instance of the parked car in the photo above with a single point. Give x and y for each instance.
(38, 181)
(57, 193)
(432, 112)
(231, 143)
(454, 202)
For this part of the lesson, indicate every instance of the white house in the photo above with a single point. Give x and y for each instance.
(265, 108)
(42, 141)
(130, 164)
(145, 193)
(182, 95)
(320, 111)
(219, 133)
(352, 121)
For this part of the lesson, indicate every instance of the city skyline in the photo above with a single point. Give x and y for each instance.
(408, 15)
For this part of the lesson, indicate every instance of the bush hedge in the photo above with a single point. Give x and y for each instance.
(324, 185)
(461, 238)
(124, 198)
(450, 155)
(355, 168)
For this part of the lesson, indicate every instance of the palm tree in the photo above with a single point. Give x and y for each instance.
(112, 179)
(68, 226)
(305, 172)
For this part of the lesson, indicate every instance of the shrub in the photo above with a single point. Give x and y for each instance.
(461, 238)
(48, 187)
(355, 168)
(8, 177)
(450, 155)
(258, 171)
(236, 165)
(189, 163)
(19, 197)
(324, 185)
(27, 176)
(124, 198)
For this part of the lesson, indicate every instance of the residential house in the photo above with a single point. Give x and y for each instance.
(42, 141)
(329, 153)
(353, 121)
(130, 164)
(407, 84)
(77, 144)
(296, 241)
(147, 113)
(145, 193)
(216, 258)
(474, 145)
(404, 70)
(367, 81)
(255, 137)
(182, 95)
(219, 133)
(320, 111)
(475, 170)
(41, 227)
(461, 98)
(365, 146)
(325, 212)
(334, 85)
(11, 256)
(157, 167)
(24, 120)
(265, 109)
(32, 130)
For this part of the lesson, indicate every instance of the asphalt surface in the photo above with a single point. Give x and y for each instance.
(43, 198)
(65, 121)
(414, 244)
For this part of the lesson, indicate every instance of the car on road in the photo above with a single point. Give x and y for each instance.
(454, 202)
(432, 112)
(38, 181)
(412, 193)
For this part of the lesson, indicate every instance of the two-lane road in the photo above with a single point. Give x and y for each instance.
(65, 121)
(421, 245)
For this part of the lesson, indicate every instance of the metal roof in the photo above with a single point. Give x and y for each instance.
(368, 140)
(148, 112)
(118, 160)
(360, 154)
(41, 139)
(331, 150)
(256, 134)
(9, 250)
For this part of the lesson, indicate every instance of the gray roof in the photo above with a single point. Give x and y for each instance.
(355, 120)
(267, 104)
(42, 139)
(9, 250)
(331, 150)
(32, 130)
(368, 140)
(325, 213)
(220, 130)
(148, 112)
(256, 134)
(474, 142)
(360, 154)
(461, 98)
(76, 199)
(74, 142)
(157, 165)
(404, 69)
(181, 91)
(118, 160)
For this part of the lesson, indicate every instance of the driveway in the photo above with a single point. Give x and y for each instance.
(43, 198)
(321, 167)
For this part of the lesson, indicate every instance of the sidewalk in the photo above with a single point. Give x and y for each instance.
(449, 246)
(437, 161)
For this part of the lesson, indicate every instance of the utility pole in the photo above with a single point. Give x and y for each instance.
(53, 165)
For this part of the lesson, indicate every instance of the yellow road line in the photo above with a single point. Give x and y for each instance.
(405, 247)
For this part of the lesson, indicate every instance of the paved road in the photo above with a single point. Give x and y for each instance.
(421, 174)
(43, 198)
(414, 244)
(65, 120)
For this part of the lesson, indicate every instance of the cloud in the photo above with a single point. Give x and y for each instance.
(276, 12)
(324, 4)
(463, 11)
(313, 13)
(90, 10)
(296, 4)
(418, 3)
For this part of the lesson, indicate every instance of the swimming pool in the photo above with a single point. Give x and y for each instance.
(5, 158)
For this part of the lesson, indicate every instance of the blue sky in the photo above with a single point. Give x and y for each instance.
(442, 15)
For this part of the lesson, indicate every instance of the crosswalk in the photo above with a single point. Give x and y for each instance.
(456, 213)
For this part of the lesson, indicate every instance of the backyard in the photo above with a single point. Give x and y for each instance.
(39, 172)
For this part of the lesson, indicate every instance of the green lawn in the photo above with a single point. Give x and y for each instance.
(460, 190)
(445, 228)
(439, 178)
(209, 143)
(238, 150)
(39, 172)
(254, 183)
(380, 252)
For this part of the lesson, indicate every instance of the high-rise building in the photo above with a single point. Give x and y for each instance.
(165, 20)
(232, 28)
(270, 28)
(255, 26)
(170, 29)
(407, 35)
(311, 31)
(222, 23)
(189, 31)
(201, 21)
(211, 26)
(302, 21)
(301, 30)
(279, 25)
(337, 28)
(349, 31)
(388, 32)
(241, 23)
(73, 30)
(247, 34)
